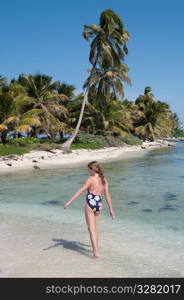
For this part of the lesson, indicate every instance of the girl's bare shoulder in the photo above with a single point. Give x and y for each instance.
(89, 179)
(106, 181)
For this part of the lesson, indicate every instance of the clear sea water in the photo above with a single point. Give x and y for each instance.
(147, 194)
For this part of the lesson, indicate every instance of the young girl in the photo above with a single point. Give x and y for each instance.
(95, 185)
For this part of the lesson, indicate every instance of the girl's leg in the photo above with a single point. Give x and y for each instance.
(90, 220)
(97, 217)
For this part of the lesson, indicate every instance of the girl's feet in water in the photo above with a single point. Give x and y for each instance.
(96, 255)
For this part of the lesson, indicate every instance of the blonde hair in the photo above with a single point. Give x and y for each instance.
(95, 166)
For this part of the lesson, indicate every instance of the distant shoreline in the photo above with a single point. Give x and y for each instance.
(36, 160)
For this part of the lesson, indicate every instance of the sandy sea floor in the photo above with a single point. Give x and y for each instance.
(33, 247)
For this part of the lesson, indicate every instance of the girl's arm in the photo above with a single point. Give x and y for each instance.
(78, 193)
(108, 199)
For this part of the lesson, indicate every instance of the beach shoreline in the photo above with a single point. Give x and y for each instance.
(36, 160)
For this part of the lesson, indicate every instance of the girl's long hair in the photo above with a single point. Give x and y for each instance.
(95, 166)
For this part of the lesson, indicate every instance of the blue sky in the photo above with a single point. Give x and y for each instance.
(46, 36)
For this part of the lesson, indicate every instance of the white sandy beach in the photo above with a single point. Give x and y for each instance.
(48, 160)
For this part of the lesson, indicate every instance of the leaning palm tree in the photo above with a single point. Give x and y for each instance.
(108, 83)
(108, 49)
(90, 116)
(109, 40)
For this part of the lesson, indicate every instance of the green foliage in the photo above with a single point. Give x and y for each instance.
(85, 146)
(87, 138)
(34, 101)
(24, 141)
(11, 149)
(179, 133)
(131, 140)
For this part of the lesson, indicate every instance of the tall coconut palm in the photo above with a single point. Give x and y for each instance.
(90, 116)
(108, 49)
(66, 145)
(108, 83)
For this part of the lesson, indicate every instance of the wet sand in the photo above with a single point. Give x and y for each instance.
(33, 247)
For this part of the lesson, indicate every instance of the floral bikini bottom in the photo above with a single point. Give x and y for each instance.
(94, 201)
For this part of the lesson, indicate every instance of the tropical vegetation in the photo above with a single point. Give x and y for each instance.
(33, 105)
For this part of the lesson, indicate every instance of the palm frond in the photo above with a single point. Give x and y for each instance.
(57, 109)
(33, 122)
(11, 120)
(3, 128)
(23, 128)
(120, 131)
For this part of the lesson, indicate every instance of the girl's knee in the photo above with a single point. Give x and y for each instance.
(91, 230)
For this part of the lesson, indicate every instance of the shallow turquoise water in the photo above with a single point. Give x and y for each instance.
(147, 192)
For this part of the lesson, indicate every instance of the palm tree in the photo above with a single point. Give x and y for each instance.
(6, 104)
(108, 83)
(108, 49)
(66, 89)
(42, 106)
(153, 119)
(90, 117)
(117, 118)
(2, 81)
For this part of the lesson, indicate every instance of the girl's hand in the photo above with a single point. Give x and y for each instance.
(65, 205)
(112, 214)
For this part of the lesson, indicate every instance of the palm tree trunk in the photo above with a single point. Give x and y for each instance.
(33, 133)
(4, 137)
(61, 134)
(66, 145)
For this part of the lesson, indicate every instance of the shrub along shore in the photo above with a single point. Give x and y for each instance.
(83, 140)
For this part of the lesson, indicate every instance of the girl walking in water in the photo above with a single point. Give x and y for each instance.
(96, 184)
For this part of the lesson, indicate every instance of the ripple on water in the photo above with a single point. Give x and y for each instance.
(133, 203)
(170, 196)
(52, 202)
(147, 210)
(166, 208)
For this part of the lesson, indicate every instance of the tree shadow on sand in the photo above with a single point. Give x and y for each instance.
(71, 245)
